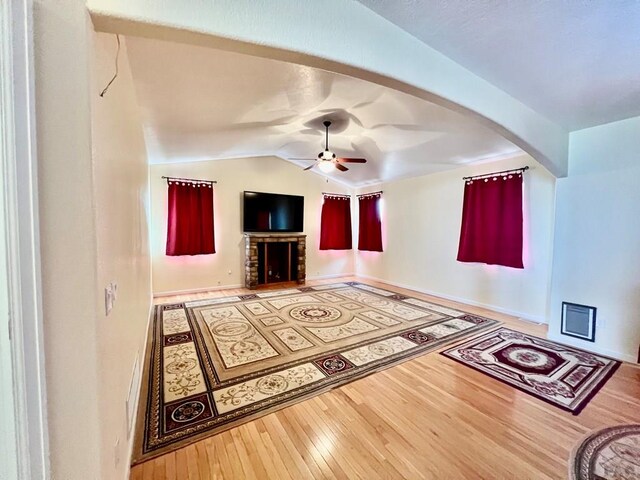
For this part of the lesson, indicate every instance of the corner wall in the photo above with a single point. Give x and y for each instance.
(597, 237)
(225, 268)
(67, 236)
(421, 227)
(121, 197)
(93, 179)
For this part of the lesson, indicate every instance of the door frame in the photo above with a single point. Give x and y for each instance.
(22, 371)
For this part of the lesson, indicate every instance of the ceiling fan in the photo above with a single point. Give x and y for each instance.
(327, 160)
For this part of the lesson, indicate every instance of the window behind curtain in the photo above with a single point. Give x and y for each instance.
(335, 223)
(370, 231)
(190, 219)
(491, 229)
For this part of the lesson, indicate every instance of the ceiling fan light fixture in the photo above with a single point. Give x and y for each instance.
(326, 166)
(327, 155)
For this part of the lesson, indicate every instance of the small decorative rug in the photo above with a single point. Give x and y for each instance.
(212, 364)
(563, 376)
(612, 453)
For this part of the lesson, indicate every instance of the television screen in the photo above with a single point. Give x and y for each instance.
(271, 212)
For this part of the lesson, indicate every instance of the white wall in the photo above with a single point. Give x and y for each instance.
(92, 231)
(597, 236)
(67, 236)
(421, 228)
(263, 174)
(121, 193)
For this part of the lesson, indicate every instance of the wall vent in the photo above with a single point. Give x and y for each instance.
(578, 321)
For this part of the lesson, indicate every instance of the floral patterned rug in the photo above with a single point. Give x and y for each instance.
(212, 364)
(563, 376)
(612, 453)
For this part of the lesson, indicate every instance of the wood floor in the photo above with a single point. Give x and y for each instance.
(425, 418)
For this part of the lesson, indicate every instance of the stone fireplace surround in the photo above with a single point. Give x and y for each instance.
(251, 241)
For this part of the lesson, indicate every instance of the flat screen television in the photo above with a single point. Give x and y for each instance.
(272, 212)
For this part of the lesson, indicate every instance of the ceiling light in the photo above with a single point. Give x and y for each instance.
(326, 166)
(327, 155)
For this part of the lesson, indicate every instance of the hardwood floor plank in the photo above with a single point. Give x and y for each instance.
(170, 467)
(281, 437)
(182, 471)
(204, 467)
(304, 444)
(192, 463)
(429, 417)
(232, 454)
(250, 470)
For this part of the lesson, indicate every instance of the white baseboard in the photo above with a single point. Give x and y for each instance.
(495, 308)
(142, 356)
(195, 290)
(556, 337)
(591, 347)
(333, 275)
(227, 287)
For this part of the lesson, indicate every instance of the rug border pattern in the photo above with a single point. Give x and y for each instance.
(593, 442)
(576, 410)
(151, 388)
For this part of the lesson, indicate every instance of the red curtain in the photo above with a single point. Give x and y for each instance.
(492, 221)
(335, 223)
(190, 219)
(370, 231)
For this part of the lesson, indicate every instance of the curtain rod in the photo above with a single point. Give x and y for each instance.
(369, 194)
(511, 170)
(336, 194)
(195, 180)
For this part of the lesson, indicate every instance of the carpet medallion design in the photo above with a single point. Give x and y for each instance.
(563, 376)
(612, 453)
(212, 364)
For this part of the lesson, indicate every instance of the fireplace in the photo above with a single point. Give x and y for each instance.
(274, 259)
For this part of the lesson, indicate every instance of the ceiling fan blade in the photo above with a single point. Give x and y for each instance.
(351, 160)
(309, 167)
(300, 158)
(340, 167)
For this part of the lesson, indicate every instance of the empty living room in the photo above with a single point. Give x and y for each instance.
(350, 239)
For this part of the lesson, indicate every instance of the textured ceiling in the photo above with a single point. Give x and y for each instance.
(199, 103)
(577, 62)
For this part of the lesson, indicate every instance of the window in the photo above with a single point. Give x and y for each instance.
(190, 219)
(370, 226)
(491, 229)
(335, 223)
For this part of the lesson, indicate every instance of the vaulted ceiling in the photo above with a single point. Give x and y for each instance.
(200, 103)
(575, 62)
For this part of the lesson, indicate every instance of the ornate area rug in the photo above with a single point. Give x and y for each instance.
(612, 453)
(563, 376)
(212, 364)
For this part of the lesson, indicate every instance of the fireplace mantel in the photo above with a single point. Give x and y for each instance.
(254, 241)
